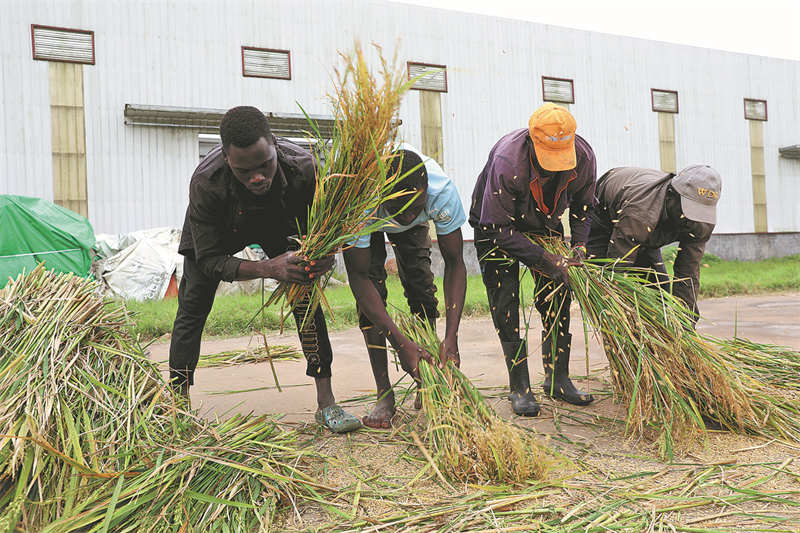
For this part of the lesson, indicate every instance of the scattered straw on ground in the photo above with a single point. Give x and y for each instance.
(726, 482)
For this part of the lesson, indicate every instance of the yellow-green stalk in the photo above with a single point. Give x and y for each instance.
(673, 379)
(352, 178)
(470, 442)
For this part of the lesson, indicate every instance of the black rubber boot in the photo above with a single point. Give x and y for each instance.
(557, 372)
(523, 402)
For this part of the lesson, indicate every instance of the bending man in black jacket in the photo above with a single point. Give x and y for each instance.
(250, 189)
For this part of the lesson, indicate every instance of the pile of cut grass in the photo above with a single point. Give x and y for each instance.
(92, 440)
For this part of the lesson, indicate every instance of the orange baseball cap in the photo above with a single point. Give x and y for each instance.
(552, 130)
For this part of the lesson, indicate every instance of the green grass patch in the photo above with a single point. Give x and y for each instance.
(232, 314)
(241, 315)
(720, 278)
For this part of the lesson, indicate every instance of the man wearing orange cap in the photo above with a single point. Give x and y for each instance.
(532, 176)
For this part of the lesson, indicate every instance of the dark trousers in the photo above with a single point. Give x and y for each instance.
(412, 251)
(195, 299)
(500, 274)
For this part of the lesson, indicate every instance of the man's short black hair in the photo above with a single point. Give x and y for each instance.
(411, 167)
(243, 126)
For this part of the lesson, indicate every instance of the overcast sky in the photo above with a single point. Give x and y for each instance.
(760, 27)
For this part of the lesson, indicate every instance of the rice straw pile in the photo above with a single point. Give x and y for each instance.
(471, 444)
(351, 173)
(90, 439)
(671, 377)
(258, 354)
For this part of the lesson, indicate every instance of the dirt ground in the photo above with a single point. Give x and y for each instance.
(372, 468)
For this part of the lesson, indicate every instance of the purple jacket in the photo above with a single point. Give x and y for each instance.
(504, 206)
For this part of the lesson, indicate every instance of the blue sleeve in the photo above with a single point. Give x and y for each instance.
(447, 211)
(360, 242)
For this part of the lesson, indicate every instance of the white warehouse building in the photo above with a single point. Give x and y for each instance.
(107, 107)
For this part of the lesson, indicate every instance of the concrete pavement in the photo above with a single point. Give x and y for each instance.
(765, 319)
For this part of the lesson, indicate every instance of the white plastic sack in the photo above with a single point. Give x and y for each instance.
(139, 265)
(108, 245)
(141, 271)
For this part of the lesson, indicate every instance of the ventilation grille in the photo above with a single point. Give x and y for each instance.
(434, 77)
(61, 44)
(664, 101)
(557, 90)
(755, 109)
(264, 63)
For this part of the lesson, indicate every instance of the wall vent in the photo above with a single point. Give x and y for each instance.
(557, 90)
(664, 101)
(755, 109)
(266, 63)
(434, 77)
(62, 44)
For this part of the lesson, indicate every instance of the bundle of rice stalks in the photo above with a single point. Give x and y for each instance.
(90, 439)
(672, 378)
(352, 176)
(470, 442)
(250, 355)
(777, 366)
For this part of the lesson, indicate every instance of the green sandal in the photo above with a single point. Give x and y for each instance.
(337, 419)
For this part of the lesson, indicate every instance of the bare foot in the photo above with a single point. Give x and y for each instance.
(381, 415)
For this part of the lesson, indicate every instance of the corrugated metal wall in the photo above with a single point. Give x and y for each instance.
(189, 55)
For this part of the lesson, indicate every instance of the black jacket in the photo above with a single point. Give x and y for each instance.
(223, 217)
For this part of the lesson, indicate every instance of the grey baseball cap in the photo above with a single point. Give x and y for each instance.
(699, 187)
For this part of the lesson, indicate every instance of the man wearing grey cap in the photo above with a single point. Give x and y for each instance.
(642, 209)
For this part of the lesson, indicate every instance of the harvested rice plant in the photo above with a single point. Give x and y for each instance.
(91, 438)
(352, 178)
(469, 442)
(672, 380)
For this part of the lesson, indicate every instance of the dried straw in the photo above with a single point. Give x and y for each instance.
(672, 378)
(91, 440)
(352, 178)
(250, 355)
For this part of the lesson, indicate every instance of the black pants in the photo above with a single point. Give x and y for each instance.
(500, 274)
(195, 299)
(412, 250)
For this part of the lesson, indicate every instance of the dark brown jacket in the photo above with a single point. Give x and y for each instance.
(631, 221)
(504, 205)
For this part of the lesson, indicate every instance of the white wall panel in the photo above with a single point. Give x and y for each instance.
(188, 54)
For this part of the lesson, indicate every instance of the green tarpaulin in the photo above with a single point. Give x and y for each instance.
(33, 230)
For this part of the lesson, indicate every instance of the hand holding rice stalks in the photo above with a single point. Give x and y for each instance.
(471, 443)
(352, 176)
